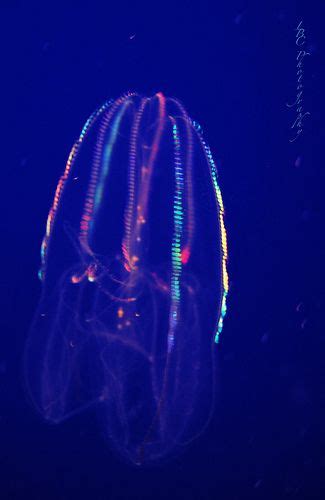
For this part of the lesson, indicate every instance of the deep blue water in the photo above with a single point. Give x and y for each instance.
(234, 67)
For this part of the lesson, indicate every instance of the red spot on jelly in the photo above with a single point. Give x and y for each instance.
(185, 255)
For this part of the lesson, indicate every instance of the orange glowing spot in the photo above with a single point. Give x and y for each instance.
(141, 219)
(131, 299)
(76, 279)
(120, 312)
(185, 255)
(127, 267)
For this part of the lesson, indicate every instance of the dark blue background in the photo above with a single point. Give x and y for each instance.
(234, 69)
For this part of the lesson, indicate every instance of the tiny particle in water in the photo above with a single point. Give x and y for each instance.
(311, 48)
(304, 323)
(299, 307)
(281, 16)
(46, 46)
(306, 215)
(238, 18)
(298, 161)
(265, 338)
(131, 37)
